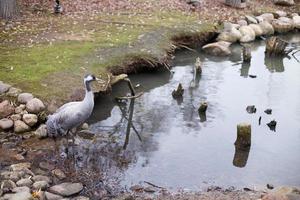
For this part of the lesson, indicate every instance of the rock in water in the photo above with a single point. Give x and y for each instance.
(6, 109)
(272, 125)
(35, 106)
(66, 189)
(24, 97)
(243, 139)
(251, 109)
(268, 111)
(178, 92)
(6, 124)
(198, 65)
(220, 48)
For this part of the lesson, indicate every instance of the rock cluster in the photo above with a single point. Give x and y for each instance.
(19, 182)
(22, 117)
(250, 27)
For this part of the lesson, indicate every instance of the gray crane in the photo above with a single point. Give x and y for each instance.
(73, 114)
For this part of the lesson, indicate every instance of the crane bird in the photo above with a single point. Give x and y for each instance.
(73, 114)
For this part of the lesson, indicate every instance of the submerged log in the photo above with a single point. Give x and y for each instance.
(246, 54)
(243, 139)
(178, 92)
(276, 46)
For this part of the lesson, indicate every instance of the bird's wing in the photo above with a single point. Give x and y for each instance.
(67, 105)
(70, 117)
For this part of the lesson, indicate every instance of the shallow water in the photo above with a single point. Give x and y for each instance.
(178, 149)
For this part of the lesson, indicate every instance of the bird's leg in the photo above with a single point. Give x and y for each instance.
(67, 149)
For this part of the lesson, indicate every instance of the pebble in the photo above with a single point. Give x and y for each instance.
(41, 178)
(15, 117)
(7, 185)
(21, 189)
(30, 119)
(40, 185)
(20, 127)
(24, 182)
(270, 186)
(20, 108)
(46, 166)
(58, 174)
(20, 166)
(51, 196)
(35, 106)
(24, 97)
(13, 92)
(19, 157)
(6, 109)
(6, 124)
(66, 189)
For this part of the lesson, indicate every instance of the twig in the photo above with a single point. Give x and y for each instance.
(154, 185)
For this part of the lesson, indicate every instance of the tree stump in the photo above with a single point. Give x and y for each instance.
(178, 92)
(243, 140)
(246, 54)
(203, 107)
(275, 47)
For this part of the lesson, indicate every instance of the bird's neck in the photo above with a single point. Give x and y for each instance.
(89, 95)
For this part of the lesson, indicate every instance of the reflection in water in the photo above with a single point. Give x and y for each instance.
(202, 116)
(245, 69)
(240, 156)
(274, 64)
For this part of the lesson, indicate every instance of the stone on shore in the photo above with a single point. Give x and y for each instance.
(296, 21)
(230, 35)
(280, 13)
(15, 117)
(40, 185)
(269, 17)
(242, 22)
(41, 178)
(248, 34)
(283, 25)
(66, 189)
(267, 28)
(20, 108)
(50, 196)
(284, 2)
(4, 87)
(41, 132)
(13, 92)
(24, 182)
(283, 193)
(58, 174)
(21, 127)
(250, 19)
(257, 29)
(6, 124)
(20, 166)
(35, 106)
(6, 109)
(30, 119)
(219, 48)
(7, 185)
(24, 97)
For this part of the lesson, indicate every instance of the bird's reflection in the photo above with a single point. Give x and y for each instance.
(240, 156)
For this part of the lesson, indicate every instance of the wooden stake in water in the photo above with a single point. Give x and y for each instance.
(246, 54)
(243, 139)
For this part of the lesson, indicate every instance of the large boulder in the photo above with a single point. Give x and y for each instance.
(296, 21)
(6, 109)
(66, 189)
(248, 34)
(257, 29)
(219, 48)
(6, 124)
(267, 28)
(35, 105)
(284, 2)
(269, 17)
(4, 87)
(23, 98)
(30, 119)
(20, 127)
(283, 25)
(230, 34)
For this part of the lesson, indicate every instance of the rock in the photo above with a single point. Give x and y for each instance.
(50, 196)
(85, 126)
(268, 111)
(251, 109)
(296, 22)
(80, 198)
(272, 125)
(6, 109)
(58, 174)
(41, 178)
(248, 34)
(250, 19)
(41, 132)
(20, 108)
(35, 106)
(269, 17)
(149, 189)
(6, 124)
(40, 185)
(7, 186)
(283, 25)
(13, 92)
(24, 182)
(242, 22)
(20, 127)
(280, 13)
(178, 92)
(4, 87)
(30, 119)
(24, 97)
(18, 196)
(284, 2)
(270, 186)
(15, 117)
(252, 76)
(19, 157)
(20, 166)
(232, 35)
(66, 189)
(294, 14)
(257, 29)
(283, 193)
(267, 28)
(46, 166)
(219, 48)
(21, 189)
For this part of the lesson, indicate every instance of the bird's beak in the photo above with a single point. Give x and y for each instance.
(99, 80)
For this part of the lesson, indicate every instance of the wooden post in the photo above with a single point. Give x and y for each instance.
(246, 54)
(243, 139)
(240, 156)
(275, 46)
(178, 92)
(203, 107)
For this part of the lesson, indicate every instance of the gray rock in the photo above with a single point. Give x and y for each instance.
(40, 185)
(280, 13)
(6, 124)
(294, 14)
(50, 196)
(24, 97)
(24, 182)
(21, 189)
(15, 117)
(6, 109)
(283, 25)
(46, 166)
(248, 34)
(30, 119)
(284, 2)
(18, 196)
(4, 87)
(269, 17)
(41, 178)
(219, 48)
(58, 174)
(41, 132)
(7, 185)
(267, 28)
(257, 29)
(35, 105)
(80, 198)
(296, 22)
(20, 127)
(242, 22)
(250, 19)
(20, 166)
(231, 35)
(20, 108)
(13, 92)
(66, 189)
